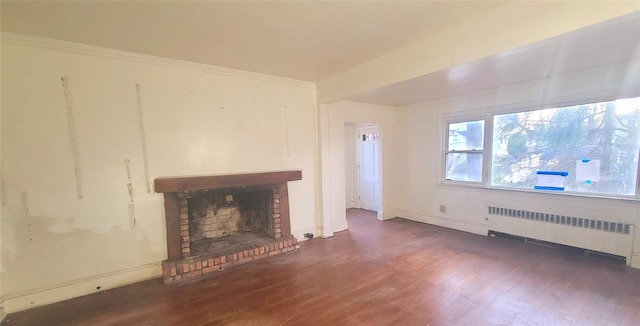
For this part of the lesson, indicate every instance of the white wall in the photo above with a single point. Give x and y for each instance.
(350, 162)
(333, 119)
(1, 204)
(197, 120)
(420, 149)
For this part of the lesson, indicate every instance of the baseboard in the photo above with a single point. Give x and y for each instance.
(351, 204)
(451, 223)
(299, 234)
(326, 232)
(19, 301)
(635, 260)
(340, 225)
(388, 214)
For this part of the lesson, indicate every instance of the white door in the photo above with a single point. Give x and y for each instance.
(368, 168)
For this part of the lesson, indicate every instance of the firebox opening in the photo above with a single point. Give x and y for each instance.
(224, 220)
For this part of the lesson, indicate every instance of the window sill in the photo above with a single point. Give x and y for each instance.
(546, 193)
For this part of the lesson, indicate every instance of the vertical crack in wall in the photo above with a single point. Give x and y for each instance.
(25, 203)
(132, 216)
(286, 129)
(143, 140)
(72, 136)
(127, 166)
(3, 189)
(130, 188)
(132, 208)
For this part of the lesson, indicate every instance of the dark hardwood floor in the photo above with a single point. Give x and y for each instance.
(395, 272)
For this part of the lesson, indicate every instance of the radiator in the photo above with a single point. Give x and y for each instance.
(596, 234)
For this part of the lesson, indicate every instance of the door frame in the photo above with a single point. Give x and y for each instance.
(358, 130)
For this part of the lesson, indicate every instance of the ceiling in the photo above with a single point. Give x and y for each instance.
(312, 40)
(612, 42)
(304, 40)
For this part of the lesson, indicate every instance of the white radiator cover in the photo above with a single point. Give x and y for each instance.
(593, 233)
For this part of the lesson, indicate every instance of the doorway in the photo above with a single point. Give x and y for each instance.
(363, 173)
(368, 168)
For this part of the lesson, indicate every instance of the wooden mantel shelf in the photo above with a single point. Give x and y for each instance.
(203, 182)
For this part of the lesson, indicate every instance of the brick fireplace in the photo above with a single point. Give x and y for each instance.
(214, 222)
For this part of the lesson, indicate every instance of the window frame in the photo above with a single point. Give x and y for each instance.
(486, 142)
(488, 116)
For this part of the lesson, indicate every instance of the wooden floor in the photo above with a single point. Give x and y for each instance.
(396, 272)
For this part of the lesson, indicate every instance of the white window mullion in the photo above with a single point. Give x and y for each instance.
(488, 149)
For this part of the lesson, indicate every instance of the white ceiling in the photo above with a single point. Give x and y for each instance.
(613, 42)
(311, 40)
(305, 40)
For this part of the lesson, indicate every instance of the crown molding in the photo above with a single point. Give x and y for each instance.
(78, 48)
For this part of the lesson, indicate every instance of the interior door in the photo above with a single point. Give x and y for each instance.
(369, 195)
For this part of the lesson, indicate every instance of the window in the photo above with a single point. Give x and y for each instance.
(555, 139)
(464, 151)
(371, 136)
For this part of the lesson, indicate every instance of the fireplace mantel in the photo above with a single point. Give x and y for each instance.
(204, 182)
(179, 191)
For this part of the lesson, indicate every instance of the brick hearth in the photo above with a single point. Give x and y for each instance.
(206, 263)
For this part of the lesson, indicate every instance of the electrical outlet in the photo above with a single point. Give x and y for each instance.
(443, 209)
